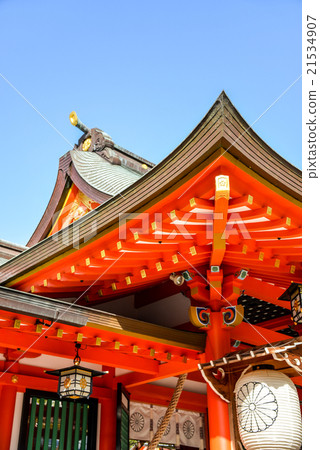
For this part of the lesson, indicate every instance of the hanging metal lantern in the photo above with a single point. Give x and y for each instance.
(75, 381)
(268, 410)
(294, 295)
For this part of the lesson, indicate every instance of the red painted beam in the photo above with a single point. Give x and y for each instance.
(54, 347)
(167, 370)
(256, 335)
(161, 395)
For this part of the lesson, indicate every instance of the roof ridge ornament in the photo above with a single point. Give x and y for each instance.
(76, 122)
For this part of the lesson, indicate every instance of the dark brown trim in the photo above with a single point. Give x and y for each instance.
(66, 172)
(45, 224)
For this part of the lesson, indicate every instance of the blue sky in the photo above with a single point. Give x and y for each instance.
(145, 72)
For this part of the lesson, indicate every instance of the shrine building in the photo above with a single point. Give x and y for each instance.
(158, 306)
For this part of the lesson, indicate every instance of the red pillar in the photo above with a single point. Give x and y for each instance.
(218, 344)
(8, 399)
(108, 423)
(108, 419)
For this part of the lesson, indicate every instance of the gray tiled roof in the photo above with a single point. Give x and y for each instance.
(101, 174)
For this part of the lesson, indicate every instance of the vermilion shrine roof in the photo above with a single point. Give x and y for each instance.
(222, 202)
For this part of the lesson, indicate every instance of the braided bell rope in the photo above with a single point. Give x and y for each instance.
(171, 408)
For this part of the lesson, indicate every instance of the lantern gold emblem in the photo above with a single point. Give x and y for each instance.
(67, 382)
(83, 383)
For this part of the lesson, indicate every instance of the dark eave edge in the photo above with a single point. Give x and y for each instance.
(74, 315)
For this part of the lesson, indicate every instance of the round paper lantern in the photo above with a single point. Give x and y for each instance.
(268, 411)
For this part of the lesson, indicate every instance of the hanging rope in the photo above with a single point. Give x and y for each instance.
(171, 408)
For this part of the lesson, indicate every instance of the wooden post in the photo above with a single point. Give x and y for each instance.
(218, 344)
(8, 399)
(108, 413)
(108, 423)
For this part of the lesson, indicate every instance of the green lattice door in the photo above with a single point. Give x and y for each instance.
(50, 423)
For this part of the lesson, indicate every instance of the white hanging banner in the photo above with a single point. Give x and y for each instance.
(139, 421)
(185, 427)
(169, 436)
(189, 427)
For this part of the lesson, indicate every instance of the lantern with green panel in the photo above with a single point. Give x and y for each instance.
(75, 381)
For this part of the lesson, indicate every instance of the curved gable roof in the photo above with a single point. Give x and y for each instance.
(101, 174)
(222, 132)
(94, 174)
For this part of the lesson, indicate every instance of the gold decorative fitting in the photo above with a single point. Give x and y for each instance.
(14, 379)
(288, 221)
(128, 280)
(261, 256)
(250, 199)
(173, 215)
(222, 187)
(59, 333)
(73, 269)
(158, 266)
(98, 341)
(269, 211)
(119, 245)
(113, 286)
(192, 202)
(277, 263)
(67, 382)
(103, 253)
(136, 236)
(143, 273)
(87, 261)
(86, 145)
(17, 324)
(58, 276)
(79, 337)
(83, 383)
(73, 118)
(45, 283)
(292, 269)
(193, 251)
(175, 259)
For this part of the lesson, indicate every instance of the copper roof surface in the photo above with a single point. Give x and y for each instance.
(101, 174)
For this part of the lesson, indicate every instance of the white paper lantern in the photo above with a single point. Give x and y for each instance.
(268, 411)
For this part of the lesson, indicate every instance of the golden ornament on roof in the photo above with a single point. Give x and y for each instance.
(86, 144)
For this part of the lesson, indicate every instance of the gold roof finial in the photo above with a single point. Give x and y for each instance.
(77, 123)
